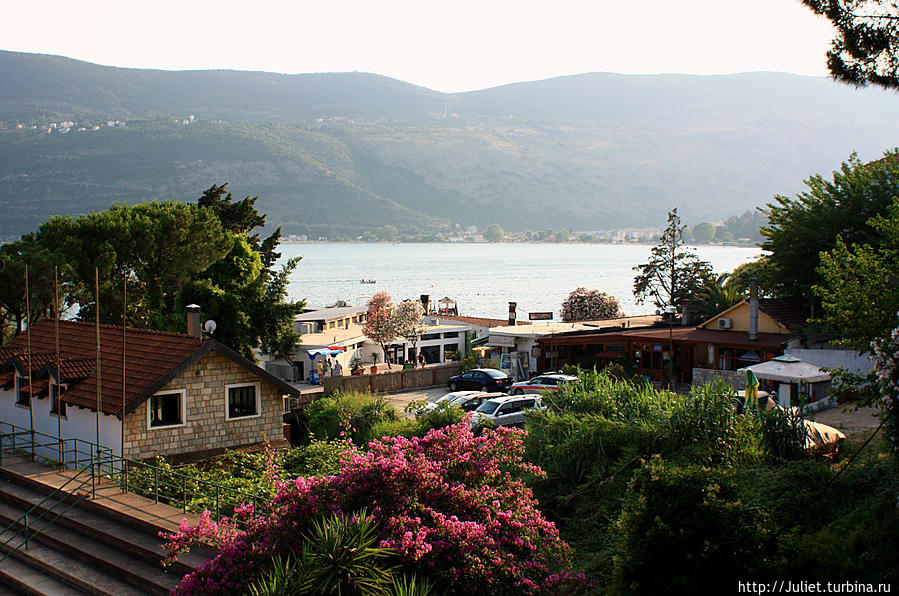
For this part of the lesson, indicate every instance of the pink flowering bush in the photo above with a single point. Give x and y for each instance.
(451, 506)
(886, 367)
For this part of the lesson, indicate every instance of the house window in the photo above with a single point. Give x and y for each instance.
(430, 336)
(166, 409)
(22, 398)
(57, 407)
(451, 334)
(242, 400)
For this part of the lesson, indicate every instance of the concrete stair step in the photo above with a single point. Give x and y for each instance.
(126, 509)
(136, 542)
(78, 576)
(147, 577)
(18, 578)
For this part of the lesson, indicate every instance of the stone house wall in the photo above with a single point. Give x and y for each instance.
(205, 426)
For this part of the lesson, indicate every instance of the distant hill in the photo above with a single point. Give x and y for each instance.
(338, 154)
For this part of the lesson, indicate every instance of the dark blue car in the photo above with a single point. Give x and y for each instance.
(481, 379)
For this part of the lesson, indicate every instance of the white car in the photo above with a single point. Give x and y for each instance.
(506, 410)
(467, 400)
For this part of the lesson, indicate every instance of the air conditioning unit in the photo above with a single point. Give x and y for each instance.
(725, 323)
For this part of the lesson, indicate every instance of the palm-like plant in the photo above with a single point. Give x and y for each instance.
(715, 296)
(340, 557)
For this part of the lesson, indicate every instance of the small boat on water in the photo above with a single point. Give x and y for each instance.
(367, 280)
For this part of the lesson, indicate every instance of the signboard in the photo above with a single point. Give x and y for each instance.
(501, 341)
(540, 316)
(505, 363)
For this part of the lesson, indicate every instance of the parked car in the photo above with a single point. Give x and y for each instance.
(506, 410)
(545, 382)
(469, 401)
(485, 379)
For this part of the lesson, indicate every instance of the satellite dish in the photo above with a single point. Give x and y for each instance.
(209, 326)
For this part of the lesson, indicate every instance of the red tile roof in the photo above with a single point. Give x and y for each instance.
(152, 359)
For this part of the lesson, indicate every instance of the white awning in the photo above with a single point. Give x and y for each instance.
(788, 371)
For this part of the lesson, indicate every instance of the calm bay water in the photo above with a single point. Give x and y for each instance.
(482, 278)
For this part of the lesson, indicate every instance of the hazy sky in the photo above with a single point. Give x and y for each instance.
(448, 46)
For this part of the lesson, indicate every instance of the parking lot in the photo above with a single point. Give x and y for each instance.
(400, 400)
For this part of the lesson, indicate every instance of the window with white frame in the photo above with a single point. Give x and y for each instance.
(166, 409)
(57, 406)
(242, 400)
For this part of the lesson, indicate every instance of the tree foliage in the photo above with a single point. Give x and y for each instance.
(716, 295)
(590, 305)
(866, 47)
(859, 283)
(674, 273)
(171, 254)
(800, 229)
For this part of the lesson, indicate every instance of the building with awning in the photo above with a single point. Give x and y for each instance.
(649, 350)
(522, 342)
(796, 381)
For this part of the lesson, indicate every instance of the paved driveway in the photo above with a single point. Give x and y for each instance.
(400, 400)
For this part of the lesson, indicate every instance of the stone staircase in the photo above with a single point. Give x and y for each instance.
(99, 546)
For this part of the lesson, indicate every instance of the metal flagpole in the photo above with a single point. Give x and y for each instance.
(58, 365)
(124, 335)
(97, 318)
(30, 380)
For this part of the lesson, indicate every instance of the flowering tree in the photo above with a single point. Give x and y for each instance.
(451, 507)
(590, 305)
(379, 321)
(407, 321)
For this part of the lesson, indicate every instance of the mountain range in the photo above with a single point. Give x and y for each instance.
(339, 154)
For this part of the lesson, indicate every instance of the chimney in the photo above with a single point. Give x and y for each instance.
(193, 321)
(753, 310)
(425, 302)
(512, 306)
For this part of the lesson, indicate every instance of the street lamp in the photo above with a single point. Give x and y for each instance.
(670, 311)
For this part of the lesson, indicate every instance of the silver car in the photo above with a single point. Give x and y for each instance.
(507, 410)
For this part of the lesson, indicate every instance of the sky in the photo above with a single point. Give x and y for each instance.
(447, 46)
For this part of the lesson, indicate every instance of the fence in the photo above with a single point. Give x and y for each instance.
(163, 485)
(398, 380)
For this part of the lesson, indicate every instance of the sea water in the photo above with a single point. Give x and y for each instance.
(482, 277)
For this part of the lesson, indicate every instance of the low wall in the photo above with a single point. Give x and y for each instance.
(847, 359)
(704, 376)
(397, 380)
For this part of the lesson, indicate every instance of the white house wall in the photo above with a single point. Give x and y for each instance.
(78, 423)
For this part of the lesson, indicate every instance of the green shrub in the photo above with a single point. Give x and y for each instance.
(782, 433)
(349, 415)
(439, 417)
(684, 528)
(318, 458)
(706, 429)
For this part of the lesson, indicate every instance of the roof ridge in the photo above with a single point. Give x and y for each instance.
(118, 328)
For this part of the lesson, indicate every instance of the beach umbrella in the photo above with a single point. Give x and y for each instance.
(751, 393)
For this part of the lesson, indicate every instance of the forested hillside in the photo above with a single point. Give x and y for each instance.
(335, 155)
